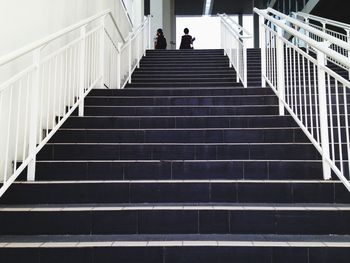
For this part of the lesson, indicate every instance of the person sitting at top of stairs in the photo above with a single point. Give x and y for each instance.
(186, 40)
(160, 41)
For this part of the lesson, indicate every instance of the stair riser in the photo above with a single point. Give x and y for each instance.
(174, 222)
(182, 92)
(123, 193)
(272, 100)
(178, 170)
(178, 152)
(180, 136)
(174, 84)
(179, 122)
(185, 80)
(177, 254)
(179, 111)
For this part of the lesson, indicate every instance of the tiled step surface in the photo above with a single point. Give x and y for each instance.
(177, 191)
(183, 165)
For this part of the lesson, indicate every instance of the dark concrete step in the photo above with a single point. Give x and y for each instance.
(214, 91)
(168, 252)
(180, 110)
(80, 192)
(176, 151)
(197, 84)
(115, 122)
(209, 79)
(177, 219)
(185, 100)
(178, 170)
(283, 135)
(183, 75)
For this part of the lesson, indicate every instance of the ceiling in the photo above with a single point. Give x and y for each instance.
(196, 7)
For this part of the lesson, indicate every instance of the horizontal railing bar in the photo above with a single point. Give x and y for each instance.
(323, 19)
(15, 78)
(310, 29)
(305, 38)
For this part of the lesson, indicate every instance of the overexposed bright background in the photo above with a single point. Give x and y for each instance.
(206, 30)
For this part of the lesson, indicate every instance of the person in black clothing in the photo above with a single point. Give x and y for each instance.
(187, 40)
(160, 42)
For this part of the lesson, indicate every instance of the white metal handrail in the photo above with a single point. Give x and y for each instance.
(315, 96)
(336, 44)
(35, 102)
(334, 28)
(232, 41)
(126, 13)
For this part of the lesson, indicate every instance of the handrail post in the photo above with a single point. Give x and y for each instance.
(102, 50)
(237, 62)
(262, 38)
(119, 66)
(149, 33)
(245, 81)
(34, 115)
(129, 57)
(348, 40)
(308, 35)
(138, 40)
(280, 70)
(322, 97)
(82, 70)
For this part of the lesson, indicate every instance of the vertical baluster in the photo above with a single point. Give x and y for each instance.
(346, 125)
(26, 121)
(310, 97)
(41, 119)
(129, 57)
(82, 70)
(8, 137)
(54, 97)
(287, 75)
(34, 115)
(102, 51)
(299, 89)
(290, 77)
(340, 148)
(19, 103)
(331, 116)
(280, 72)
(316, 106)
(295, 83)
(323, 114)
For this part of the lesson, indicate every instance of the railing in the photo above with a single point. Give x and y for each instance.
(124, 58)
(35, 102)
(232, 41)
(315, 96)
(340, 47)
(334, 28)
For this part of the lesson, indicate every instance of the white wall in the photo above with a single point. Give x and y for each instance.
(24, 21)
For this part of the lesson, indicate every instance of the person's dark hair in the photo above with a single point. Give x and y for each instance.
(186, 31)
(160, 31)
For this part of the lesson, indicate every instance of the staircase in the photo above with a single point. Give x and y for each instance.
(183, 165)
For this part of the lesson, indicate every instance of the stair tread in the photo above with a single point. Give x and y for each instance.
(233, 240)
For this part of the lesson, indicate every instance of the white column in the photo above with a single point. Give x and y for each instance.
(163, 17)
(157, 16)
